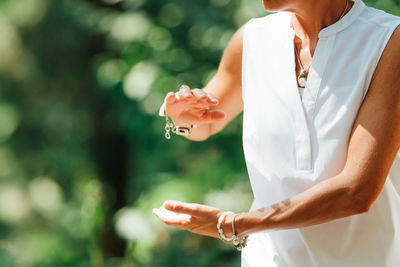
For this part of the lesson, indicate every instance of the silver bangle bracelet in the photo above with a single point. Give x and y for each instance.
(238, 242)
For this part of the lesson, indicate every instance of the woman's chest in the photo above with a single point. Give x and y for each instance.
(308, 134)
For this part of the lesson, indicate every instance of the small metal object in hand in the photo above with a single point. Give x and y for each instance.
(179, 130)
(169, 126)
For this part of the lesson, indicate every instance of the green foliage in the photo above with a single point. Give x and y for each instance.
(83, 158)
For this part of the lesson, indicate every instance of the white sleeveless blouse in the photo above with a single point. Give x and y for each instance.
(290, 144)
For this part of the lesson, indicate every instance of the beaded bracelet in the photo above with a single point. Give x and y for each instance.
(220, 231)
(238, 242)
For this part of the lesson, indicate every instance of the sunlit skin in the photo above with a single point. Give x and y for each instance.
(373, 144)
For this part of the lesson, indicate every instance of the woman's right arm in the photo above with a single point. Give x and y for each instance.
(217, 104)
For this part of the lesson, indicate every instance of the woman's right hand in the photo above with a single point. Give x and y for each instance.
(187, 107)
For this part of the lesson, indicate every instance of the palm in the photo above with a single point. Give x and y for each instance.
(190, 111)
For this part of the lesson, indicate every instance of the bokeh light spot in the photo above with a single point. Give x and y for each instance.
(25, 13)
(159, 38)
(237, 198)
(109, 73)
(130, 27)
(14, 204)
(9, 121)
(133, 225)
(46, 195)
(138, 81)
(151, 104)
(171, 15)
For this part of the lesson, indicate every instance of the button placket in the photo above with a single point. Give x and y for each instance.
(317, 71)
(303, 117)
(301, 132)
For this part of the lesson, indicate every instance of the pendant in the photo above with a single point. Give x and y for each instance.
(302, 79)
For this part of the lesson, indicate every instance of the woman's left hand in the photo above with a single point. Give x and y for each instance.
(196, 218)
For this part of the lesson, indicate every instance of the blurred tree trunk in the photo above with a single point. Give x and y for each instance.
(110, 153)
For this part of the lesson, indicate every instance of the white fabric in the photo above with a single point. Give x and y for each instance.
(301, 91)
(290, 143)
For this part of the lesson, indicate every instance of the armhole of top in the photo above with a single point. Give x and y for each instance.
(384, 44)
(244, 58)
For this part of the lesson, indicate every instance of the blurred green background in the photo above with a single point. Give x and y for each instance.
(83, 158)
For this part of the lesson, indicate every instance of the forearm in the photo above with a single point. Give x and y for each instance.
(326, 201)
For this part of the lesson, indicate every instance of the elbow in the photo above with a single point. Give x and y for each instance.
(360, 207)
(361, 203)
(361, 195)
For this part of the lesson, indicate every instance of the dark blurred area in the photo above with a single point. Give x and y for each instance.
(83, 157)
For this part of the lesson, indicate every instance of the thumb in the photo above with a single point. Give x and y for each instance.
(213, 116)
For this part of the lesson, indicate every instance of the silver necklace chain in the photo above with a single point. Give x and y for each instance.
(302, 78)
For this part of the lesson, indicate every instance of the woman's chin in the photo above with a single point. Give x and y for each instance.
(273, 5)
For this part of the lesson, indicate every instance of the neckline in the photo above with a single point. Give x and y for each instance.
(346, 21)
(341, 24)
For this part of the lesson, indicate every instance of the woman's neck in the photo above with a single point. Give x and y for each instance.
(310, 17)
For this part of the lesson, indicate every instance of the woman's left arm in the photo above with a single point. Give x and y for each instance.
(374, 143)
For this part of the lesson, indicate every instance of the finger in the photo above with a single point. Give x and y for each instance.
(211, 98)
(171, 218)
(181, 207)
(170, 213)
(184, 87)
(203, 95)
(200, 106)
(209, 116)
(170, 98)
(200, 94)
(185, 92)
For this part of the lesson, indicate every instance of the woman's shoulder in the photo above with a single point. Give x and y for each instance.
(379, 18)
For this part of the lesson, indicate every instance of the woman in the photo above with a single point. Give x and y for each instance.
(323, 161)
